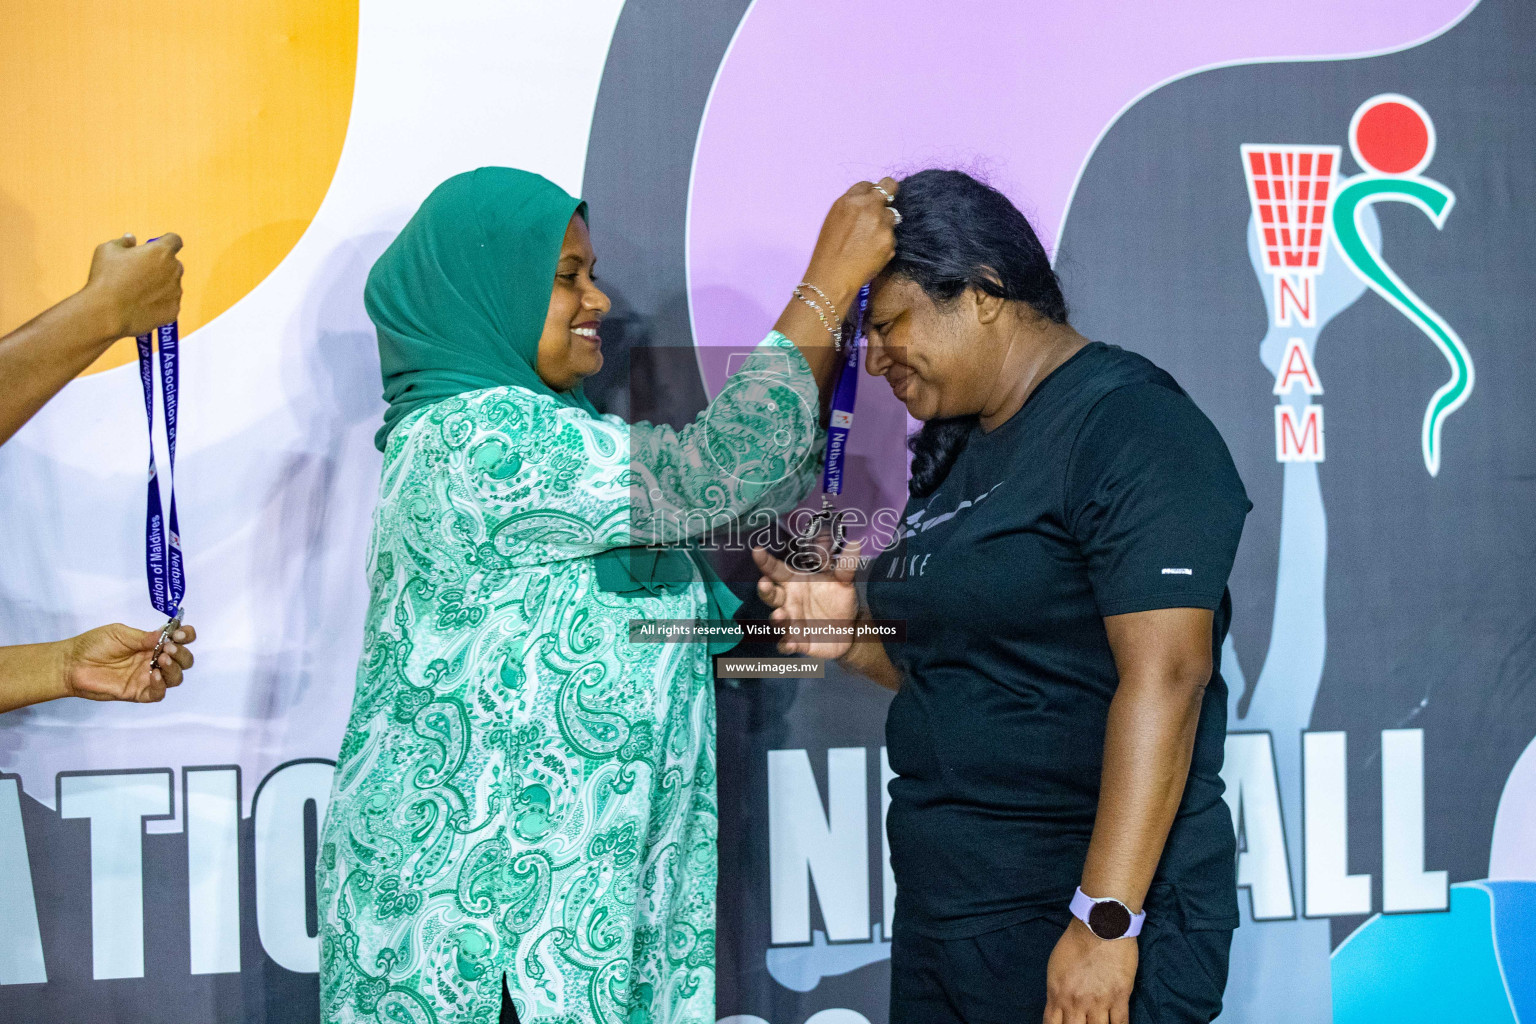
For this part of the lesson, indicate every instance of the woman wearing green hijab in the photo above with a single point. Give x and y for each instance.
(522, 793)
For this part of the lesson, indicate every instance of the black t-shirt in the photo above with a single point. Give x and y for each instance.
(1108, 492)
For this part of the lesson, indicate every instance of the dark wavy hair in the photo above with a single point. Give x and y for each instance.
(958, 233)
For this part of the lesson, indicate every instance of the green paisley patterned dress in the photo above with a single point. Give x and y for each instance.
(521, 790)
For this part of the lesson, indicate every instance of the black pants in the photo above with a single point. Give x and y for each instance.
(999, 977)
(508, 1014)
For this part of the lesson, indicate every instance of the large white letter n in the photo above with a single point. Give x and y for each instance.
(831, 847)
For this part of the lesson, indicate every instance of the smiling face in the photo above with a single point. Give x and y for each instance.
(938, 359)
(570, 349)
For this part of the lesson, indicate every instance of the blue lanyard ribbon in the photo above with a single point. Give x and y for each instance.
(842, 406)
(162, 545)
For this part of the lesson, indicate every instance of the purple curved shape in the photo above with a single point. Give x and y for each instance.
(812, 97)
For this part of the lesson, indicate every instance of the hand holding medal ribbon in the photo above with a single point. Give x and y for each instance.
(847, 333)
(130, 289)
(162, 533)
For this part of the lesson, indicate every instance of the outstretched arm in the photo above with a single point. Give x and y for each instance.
(549, 482)
(106, 663)
(570, 484)
(131, 290)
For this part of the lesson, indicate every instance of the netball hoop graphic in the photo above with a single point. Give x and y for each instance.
(1290, 188)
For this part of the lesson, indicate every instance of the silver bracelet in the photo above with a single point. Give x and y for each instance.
(833, 329)
(831, 306)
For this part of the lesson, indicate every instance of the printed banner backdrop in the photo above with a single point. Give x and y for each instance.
(1316, 215)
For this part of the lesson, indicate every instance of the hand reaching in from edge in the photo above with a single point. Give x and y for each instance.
(112, 663)
(137, 287)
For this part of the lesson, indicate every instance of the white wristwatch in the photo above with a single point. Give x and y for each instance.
(1107, 918)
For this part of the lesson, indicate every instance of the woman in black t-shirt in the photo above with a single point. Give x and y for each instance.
(1061, 568)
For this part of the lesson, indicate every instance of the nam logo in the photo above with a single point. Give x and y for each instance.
(1301, 210)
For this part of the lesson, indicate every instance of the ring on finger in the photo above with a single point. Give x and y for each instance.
(897, 214)
(888, 197)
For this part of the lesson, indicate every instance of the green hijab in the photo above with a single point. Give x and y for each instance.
(459, 300)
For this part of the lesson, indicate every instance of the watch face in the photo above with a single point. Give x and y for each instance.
(1109, 919)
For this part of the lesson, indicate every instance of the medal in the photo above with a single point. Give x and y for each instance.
(162, 536)
(843, 396)
(166, 632)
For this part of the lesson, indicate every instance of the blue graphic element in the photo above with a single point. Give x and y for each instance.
(1514, 936)
(801, 968)
(1472, 963)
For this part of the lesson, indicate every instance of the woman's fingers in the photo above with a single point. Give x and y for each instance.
(772, 568)
(862, 190)
(776, 570)
(153, 691)
(856, 240)
(170, 240)
(884, 190)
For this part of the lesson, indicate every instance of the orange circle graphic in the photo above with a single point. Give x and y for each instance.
(222, 122)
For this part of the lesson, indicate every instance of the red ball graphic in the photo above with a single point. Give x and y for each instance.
(1392, 137)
